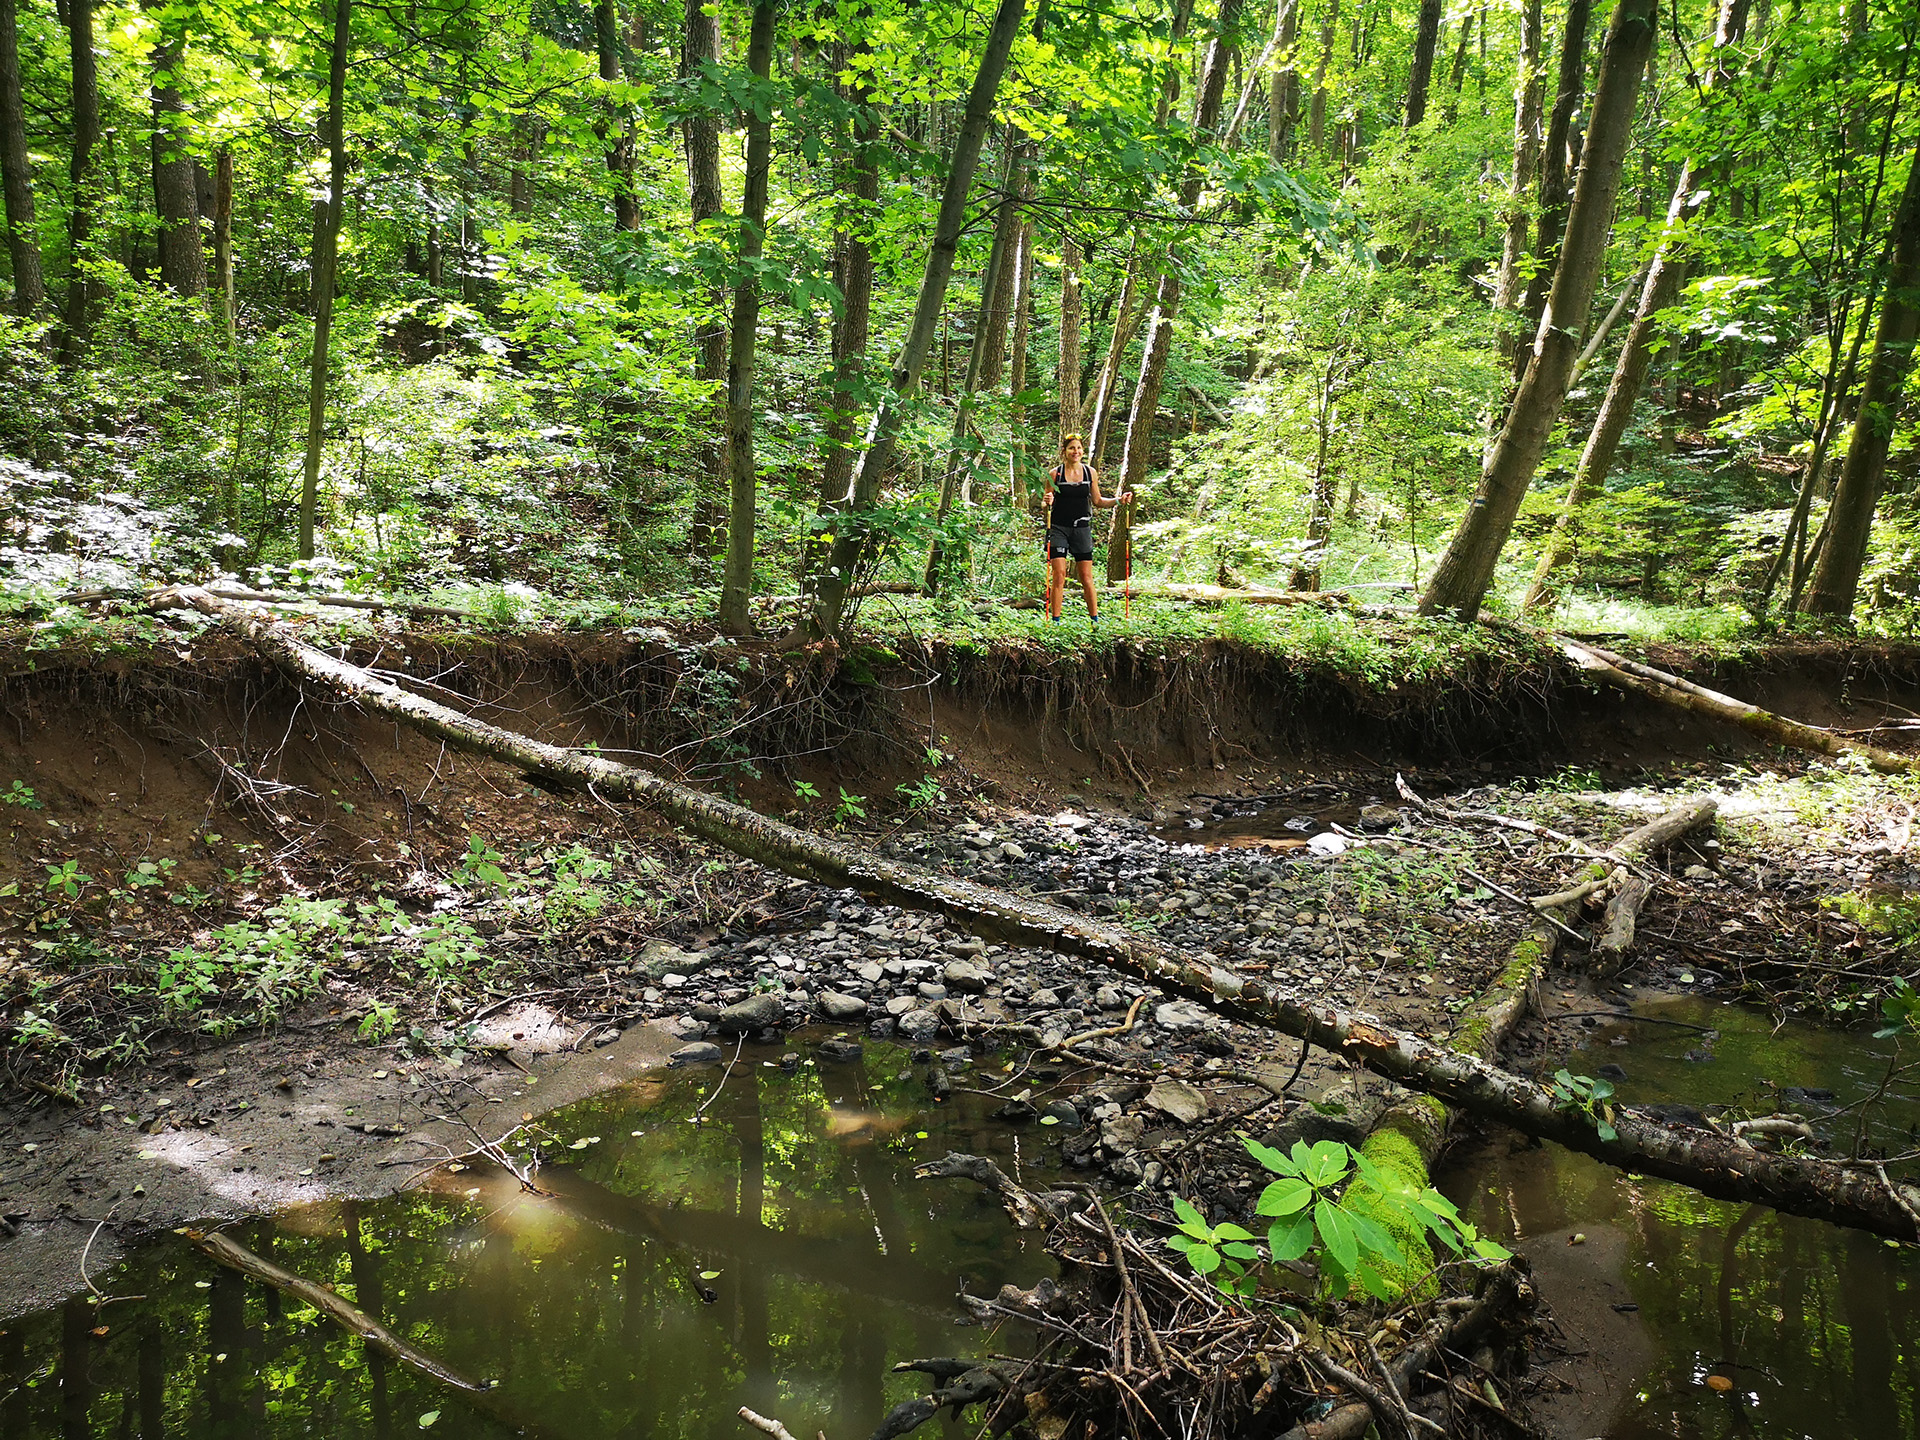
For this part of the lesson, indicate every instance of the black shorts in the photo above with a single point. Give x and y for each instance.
(1070, 542)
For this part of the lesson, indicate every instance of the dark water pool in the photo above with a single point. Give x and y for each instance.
(773, 1252)
(1816, 1328)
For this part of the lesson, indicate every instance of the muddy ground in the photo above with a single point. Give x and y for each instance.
(1294, 859)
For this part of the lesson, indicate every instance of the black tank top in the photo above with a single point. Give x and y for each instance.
(1072, 499)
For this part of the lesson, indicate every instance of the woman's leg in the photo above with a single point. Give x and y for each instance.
(1056, 585)
(1086, 587)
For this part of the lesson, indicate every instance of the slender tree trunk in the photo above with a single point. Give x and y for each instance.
(616, 127)
(1128, 313)
(326, 249)
(851, 542)
(1306, 573)
(183, 258)
(223, 239)
(1836, 579)
(1137, 453)
(1017, 443)
(83, 185)
(1459, 74)
(991, 334)
(1460, 581)
(701, 136)
(1283, 94)
(999, 263)
(1317, 107)
(1262, 69)
(1426, 38)
(1556, 182)
(1665, 273)
(855, 325)
(1526, 150)
(737, 583)
(16, 174)
(1072, 410)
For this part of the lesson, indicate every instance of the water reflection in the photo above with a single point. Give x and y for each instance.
(1814, 1326)
(761, 1254)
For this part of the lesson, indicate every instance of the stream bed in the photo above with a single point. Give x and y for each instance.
(758, 1240)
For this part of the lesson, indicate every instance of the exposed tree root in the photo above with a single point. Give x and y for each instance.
(1714, 1164)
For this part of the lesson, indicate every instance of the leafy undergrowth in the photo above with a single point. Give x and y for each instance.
(97, 970)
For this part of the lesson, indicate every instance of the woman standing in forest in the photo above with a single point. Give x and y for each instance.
(1073, 490)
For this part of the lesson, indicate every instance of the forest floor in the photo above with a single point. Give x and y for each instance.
(308, 955)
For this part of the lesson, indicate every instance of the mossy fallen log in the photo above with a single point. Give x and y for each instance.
(1714, 1164)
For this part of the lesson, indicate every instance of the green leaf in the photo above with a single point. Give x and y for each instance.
(1336, 1233)
(1230, 1231)
(1373, 1239)
(1240, 1251)
(1327, 1163)
(1373, 1283)
(1285, 1197)
(427, 1419)
(1191, 1220)
(1204, 1258)
(1491, 1250)
(1289, 1241)
(1271, 1158)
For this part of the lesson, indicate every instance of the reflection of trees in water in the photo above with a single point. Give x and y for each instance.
(584, 1305)
(1820, 1321)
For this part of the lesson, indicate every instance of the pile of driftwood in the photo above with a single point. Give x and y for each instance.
(1129, 1342)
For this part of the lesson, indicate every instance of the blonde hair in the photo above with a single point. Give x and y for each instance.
(1068, 439)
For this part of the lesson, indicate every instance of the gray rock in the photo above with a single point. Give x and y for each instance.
(870, 973)
(966, 977)
(1044, 1000)
(1011, 851)
(657, 960)
(1108, 998)
(900, 1004)
(835, 1006)
(1179, 1100)
(1122, 1132)
(919, 1024)
(927, 990)
(1062, 1113)
(973, 946)
(756, 1012)
(700, 1053)
(1182, 1015)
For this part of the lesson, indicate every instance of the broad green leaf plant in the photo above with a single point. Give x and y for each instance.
(1314, 1211)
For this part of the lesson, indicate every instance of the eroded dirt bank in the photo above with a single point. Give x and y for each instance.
(495, 929)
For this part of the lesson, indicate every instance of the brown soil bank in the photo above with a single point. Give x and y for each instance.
(145, 752)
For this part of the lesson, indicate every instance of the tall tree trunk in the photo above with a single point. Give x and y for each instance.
(1556, 181)
(737, 583)
(1665, 272)
(1137, 452)
(1128, 313)
(183, 257)
(1017, 444)
(851, 541)
(1283, 94)
(326, 251)
(1459, 74)
(991, 334)
(1317, 107)
(1836, 579)
(616, 127)
(700, 133)
(1460, 581)
(1306, 573)
(1526, 150)
(16, 175)
(1426, 38)
(1072, 410)
(999, 267)
(855, 324)
(223, 238)
(83, 185)
(1262, 69)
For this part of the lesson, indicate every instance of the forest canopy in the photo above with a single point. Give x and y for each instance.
(1602, 312)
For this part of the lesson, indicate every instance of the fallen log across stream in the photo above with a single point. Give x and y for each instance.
(1858, 1195)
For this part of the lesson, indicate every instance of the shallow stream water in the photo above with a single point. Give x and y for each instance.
(761, 1242)
(774, 1252)
(1817, 1328)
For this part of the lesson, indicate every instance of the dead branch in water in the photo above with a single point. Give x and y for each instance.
(1716, 1165)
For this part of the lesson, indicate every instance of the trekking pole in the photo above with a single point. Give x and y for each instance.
(1126, 595)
